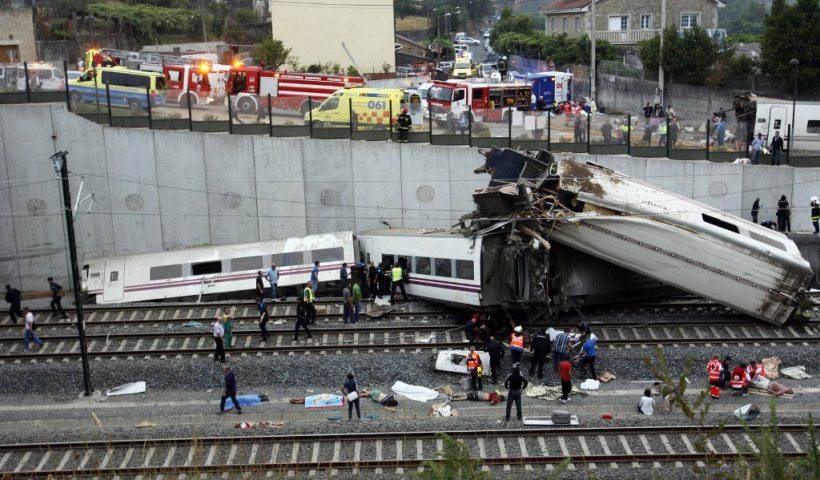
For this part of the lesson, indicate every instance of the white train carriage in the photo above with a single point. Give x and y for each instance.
(488, 272)
(219, 269)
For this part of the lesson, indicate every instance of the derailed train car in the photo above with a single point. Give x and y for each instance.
(630, 223)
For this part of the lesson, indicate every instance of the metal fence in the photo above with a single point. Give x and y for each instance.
(598, 133)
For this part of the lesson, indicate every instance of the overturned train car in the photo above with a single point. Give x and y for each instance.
(662, 236)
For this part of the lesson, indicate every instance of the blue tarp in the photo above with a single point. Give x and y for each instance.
(249, 400)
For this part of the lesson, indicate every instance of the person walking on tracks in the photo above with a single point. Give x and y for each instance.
(404, 123)
(515, 384)
(590, 354)
(13, 299)
(57, 294)
(349, 389)
(496, 351)
(516, 345)
(314, 277)
(715, 369)
(540, 347)
(230, 391)
(260, 285)
(219, 346)
(264, 316)
(308, 299)
(474, 367)
(347, 304)
(301, 319)
(227, 325)
(28, 330)
(357, 300)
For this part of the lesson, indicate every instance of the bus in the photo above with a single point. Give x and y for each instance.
(126, 88)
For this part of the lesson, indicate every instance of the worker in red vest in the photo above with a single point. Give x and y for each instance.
(516, 344)
(740, 380)
(474, 367)
(714, 369)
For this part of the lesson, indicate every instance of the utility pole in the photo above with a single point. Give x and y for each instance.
(592, 56)
(660, 64)
(60, 164)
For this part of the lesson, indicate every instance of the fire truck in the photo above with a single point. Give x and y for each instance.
(490, 102)
(250, 87)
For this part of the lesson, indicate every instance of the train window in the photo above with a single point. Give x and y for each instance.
(206, 268)
(114, 277)
(165, 272)
(95, 275)
(768, 241)
(288, 259)
(813, 126)
(720, 223)
(423, 265)
(388, 259)
(444, 267)
(328, 254)
(246, 263)
(464, 269)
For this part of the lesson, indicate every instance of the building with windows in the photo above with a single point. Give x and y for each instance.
(17, 38)
(627, 22)
(337, 31)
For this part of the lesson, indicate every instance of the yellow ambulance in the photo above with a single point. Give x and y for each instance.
(372, 108)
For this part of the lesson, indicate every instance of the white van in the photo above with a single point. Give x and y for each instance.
(42, 76)
(8, 76)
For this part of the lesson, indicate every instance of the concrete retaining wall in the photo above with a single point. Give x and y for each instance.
(156, 190)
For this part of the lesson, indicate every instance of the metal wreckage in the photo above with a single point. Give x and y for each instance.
(580, 234)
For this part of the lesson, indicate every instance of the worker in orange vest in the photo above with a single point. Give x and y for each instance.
(740, 380)
(714, 368)
(516, 344)
(474, 367)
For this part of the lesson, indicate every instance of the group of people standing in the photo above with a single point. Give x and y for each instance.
(783, 214)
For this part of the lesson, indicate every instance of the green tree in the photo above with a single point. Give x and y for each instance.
(510, 23)
(455, 463)
(272, 52)
(790, 31)
(688, 57)
(146, 21)
(649, 52)
(742, 16)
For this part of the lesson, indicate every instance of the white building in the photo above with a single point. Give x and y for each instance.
(315, 31)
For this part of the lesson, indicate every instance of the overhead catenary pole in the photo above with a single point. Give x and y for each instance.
(592, 51)
(60, 164)
(660, 63)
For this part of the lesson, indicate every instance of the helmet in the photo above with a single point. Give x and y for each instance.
(518, 329)
(814, 199)
(404, 110)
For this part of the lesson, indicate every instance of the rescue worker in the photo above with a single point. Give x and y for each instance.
(264, 316)
(815, 214)
(404, 123)
(740, 380)
(496, 351)
(662, 131)
(540, 347)
(726, 373)
(310, 309)
(474, 367)
(397, 279)
(714, 369)
(502, 67)
(625, 132)
(516, 345)
(301, 319)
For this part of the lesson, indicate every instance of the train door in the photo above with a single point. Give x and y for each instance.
(777, 121)
(521, 276)
(114, 282)
(368, 249)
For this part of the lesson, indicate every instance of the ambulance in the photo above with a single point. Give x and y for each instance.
(375, 108)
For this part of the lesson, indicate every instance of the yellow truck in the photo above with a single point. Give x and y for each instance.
(373, 108)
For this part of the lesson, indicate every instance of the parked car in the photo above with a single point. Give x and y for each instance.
(469, 41)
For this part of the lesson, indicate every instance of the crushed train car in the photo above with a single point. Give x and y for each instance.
(630, 223)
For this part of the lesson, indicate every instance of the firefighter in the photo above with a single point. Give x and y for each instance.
(308, 298)
(815, 214)
(740, 380)
(474, 367)
(516, 345)
(540, 348)
(405, 122)
(714, 368)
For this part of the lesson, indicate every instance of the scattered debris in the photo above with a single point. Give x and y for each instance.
(414, 392)
(606, 376)
(544, 392)
(455, 361)
(127, 389)
(279, 322)
(426, 339)
(261, 424)
(590, 384)
(324, 400)
(748, 412)
(559, 417)
(772, 367)
(798, 372)
(145, 424)
(443, 410)
(193, 324)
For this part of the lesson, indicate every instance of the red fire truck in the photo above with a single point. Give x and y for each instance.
(250, 86)
(490, 102)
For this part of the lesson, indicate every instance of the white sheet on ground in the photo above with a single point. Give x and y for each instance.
(127, 389)
(414, 392)
(590, 384)
(797, 372)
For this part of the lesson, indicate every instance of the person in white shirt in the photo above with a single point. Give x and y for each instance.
(219, 332)
(646, 404)
(28, 330)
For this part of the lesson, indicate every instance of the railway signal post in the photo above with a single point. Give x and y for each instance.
(60, 164)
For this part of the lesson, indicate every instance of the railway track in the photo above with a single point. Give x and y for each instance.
(505, 452)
